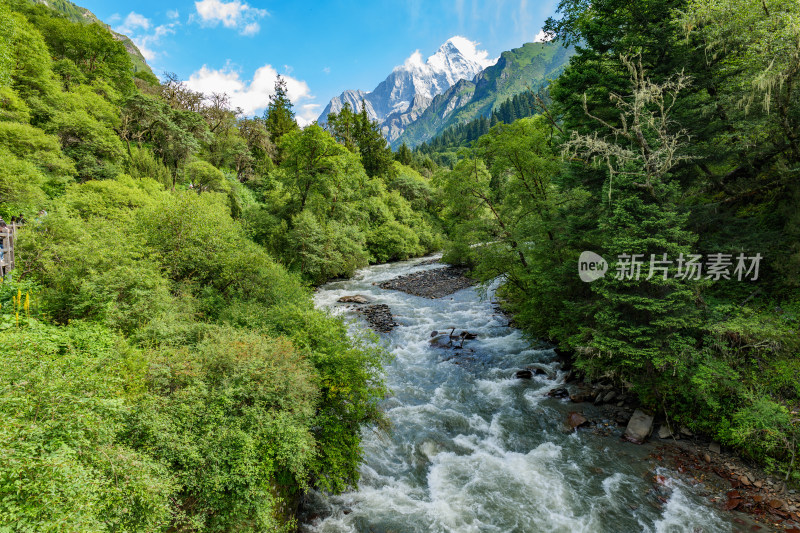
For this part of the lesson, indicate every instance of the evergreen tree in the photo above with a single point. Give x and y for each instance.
(376, 156)
(404, 155)
(279, 117)
(344, 127)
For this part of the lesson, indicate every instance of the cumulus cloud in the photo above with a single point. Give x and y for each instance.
(233, 15)
(144, 35)
(469, 49)
(414, 61)
(134, 22)
(542, 37)
(252, 96)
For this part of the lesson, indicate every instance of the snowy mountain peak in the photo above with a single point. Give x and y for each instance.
(458, 58)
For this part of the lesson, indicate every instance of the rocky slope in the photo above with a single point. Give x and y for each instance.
(76, 13)
(403, 96)
(531, 66)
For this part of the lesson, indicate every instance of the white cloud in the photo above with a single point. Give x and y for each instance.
(542, 37)
(233, 15)
(326, 70)
(173, 14)
(470, 50)
(414, 61)
(146, 37)
(133, 23)
(253, 95)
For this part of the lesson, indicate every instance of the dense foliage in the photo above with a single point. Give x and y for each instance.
(672, 131)
(444, 147)
(164, 367)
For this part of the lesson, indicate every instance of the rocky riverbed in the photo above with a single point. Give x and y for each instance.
(721, 476)
(434, 283)
(490, 431)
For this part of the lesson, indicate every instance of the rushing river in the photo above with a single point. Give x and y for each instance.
(472, 449)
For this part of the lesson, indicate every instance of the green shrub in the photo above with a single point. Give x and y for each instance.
(392, 240)
(63, 400)
(232, 418)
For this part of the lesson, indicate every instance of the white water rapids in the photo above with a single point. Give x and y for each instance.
(472, 449)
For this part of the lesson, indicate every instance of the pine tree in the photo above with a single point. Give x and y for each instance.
(376, 156)
(403, 155)
(279, 117)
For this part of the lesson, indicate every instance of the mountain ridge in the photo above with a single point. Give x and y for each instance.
(403, 95)
(530, 66)
(76, 13)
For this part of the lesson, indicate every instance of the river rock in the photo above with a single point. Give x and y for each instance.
(379, 317)
(581, 396)
(441, 341)
(639, 427)
(560, 392)
(714, 447)
(610, 396)
(664, 432)
(354, 299)
(433, 283)
(576, 420)
(524, 374)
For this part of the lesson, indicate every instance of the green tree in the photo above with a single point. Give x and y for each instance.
(376, 156)
(404, 155)
(344, 127)
(279, 116)
(314, 163)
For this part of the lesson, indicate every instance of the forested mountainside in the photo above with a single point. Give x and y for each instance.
(528, 68)
(445, 147)
(163, 366)
(75, 13)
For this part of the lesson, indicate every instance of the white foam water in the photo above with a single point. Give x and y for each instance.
(472, 449)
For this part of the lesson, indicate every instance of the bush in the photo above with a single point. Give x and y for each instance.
(232, 418)
(63, 402)
(392, 241)
(205, 177)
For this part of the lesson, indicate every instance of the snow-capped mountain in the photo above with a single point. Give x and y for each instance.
(409, 89)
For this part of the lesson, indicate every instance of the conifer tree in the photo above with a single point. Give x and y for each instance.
(376, 156)
(279, 117)
(403, 155)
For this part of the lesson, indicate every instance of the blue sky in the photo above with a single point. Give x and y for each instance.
(323, 48)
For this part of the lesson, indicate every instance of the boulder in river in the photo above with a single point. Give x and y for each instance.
(639, 427)
(576, 420)
(664, 432)
(560, 392)
(523, 374)
(354, 299)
